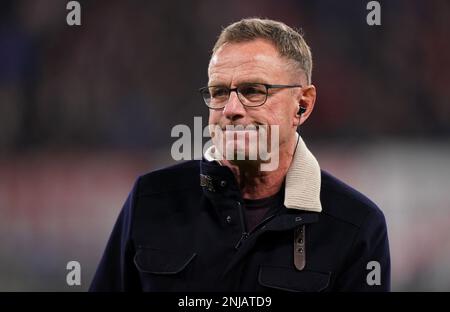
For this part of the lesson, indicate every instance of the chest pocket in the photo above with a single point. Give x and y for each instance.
(163, 270)
(289, 279)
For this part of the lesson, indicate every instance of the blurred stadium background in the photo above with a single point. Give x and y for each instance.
(85, 110)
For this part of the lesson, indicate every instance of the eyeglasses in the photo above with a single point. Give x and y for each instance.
(249, 94)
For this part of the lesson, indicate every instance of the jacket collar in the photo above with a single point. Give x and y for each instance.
(303, 179)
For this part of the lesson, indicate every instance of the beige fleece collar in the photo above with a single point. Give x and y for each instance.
(302, 187)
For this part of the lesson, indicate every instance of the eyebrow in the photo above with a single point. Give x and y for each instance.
(246, 81)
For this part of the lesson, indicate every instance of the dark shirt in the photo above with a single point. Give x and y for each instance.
(256, 210)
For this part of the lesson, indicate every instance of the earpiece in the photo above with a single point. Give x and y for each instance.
(301, 110)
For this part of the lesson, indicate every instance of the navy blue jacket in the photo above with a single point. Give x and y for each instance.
(174, 234)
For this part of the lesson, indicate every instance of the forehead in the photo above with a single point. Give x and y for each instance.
(254, 61)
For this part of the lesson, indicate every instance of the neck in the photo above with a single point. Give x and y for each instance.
(253, 182)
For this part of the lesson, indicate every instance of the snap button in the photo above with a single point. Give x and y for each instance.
(228, 219)
(223, 183)
(299, 248)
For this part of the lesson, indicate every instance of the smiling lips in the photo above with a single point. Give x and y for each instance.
(240, 128)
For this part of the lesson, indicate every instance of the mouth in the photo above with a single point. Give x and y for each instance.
(238, 128)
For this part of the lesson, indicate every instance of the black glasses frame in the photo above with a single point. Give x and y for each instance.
(236, 89)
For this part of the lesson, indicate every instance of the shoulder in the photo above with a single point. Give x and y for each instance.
(342, 202)
(176, 177)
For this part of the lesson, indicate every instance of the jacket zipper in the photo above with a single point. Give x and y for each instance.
(246, 234)
(243, 225)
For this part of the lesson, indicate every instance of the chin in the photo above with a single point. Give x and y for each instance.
(236, 150)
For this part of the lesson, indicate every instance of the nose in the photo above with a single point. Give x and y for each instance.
(234, 109)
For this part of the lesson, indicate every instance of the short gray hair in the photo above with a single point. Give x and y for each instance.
(289, 42)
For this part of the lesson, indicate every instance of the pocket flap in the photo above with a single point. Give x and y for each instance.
(157, 261)
(289, 279)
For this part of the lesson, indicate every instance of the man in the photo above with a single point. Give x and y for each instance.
(223, 223)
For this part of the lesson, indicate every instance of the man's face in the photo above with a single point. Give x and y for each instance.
(256, 61)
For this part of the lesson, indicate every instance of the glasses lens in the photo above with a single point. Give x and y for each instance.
(215, 97)
(252, 94)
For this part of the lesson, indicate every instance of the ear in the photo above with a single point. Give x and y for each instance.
(306, 99)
